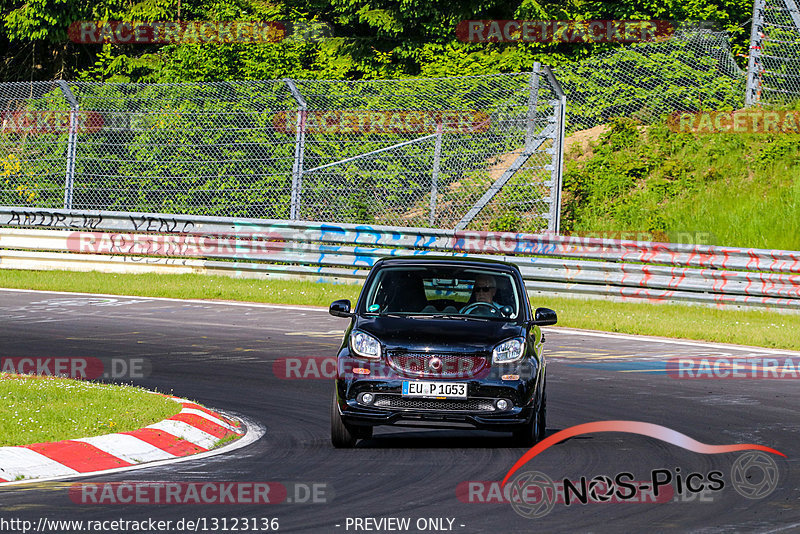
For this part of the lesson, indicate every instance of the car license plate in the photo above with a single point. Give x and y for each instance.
(442, 390)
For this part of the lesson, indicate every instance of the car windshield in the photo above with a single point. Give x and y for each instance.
(445, 291)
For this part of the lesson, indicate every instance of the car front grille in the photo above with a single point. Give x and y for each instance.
(438, 365)
(469, 405)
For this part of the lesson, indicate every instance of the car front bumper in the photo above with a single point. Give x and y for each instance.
(479, 410)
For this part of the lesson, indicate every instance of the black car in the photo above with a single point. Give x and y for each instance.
(441, 342)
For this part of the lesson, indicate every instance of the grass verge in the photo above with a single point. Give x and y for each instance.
(732, 189)
(38, 409)
(748, 327)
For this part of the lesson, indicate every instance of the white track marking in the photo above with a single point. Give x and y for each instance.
(186, 431)
(22, 462)
(129, 448)
(254, 433)
(211, 418)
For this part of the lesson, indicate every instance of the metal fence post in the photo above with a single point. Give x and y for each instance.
(437, 157)
(69, 178)
(299, 150)
(753, 91)
(557, 173)
(554, 224)
(533, 101)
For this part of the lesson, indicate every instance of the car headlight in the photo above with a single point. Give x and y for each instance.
(365, 345)
(509, 351)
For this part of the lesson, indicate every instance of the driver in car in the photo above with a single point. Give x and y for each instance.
(482, 300)
(485, 288)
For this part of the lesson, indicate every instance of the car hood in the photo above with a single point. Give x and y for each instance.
(421, 333)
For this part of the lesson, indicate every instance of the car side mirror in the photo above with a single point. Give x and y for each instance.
(340, 308)
(544, 317)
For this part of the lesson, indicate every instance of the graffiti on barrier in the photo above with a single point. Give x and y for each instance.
(51, 219)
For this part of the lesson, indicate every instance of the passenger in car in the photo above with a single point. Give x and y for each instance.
(407, 293)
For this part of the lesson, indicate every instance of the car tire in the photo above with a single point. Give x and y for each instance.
(530, 433)
(342, 436)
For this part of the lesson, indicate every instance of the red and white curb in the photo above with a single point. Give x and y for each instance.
(194, 430)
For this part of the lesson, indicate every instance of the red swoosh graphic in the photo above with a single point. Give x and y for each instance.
(633, 427)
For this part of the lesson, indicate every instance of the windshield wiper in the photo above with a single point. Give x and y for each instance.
(455, 317)
(438, 316)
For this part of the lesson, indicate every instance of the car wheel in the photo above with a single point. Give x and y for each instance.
(528, 434)
(342, 436)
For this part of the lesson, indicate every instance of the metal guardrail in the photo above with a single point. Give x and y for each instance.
(570, 266)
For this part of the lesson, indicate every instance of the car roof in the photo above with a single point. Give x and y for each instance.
(446, 260)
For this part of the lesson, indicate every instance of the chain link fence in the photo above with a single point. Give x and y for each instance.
(415, 152)
(774, 61)
(478, 152)
(694, 70)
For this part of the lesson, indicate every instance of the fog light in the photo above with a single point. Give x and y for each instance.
(367, 398)
(502, 404)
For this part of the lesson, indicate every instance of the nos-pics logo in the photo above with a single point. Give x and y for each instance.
(532, 494)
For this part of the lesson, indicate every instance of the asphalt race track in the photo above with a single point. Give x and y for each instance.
(223, 355)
